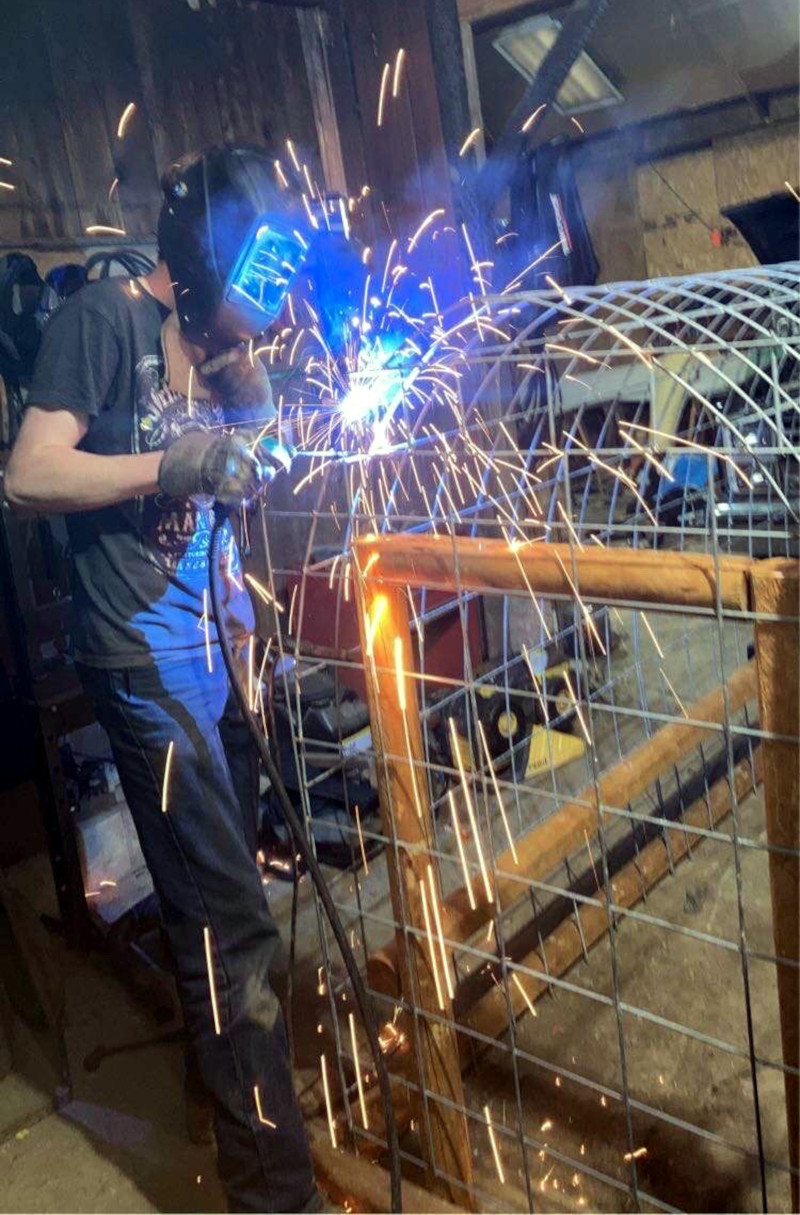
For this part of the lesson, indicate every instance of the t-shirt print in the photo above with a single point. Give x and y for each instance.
(178, 532)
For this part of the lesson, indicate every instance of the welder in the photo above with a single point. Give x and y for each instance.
(144, 417)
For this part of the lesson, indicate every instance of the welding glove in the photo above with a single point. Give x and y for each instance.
(223, 466)
(202, 462)
(242, 383)
(244, 387)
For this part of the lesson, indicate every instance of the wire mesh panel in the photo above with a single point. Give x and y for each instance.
(536, 692)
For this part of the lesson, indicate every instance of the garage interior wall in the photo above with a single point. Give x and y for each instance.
(68, 69)
(642, 229)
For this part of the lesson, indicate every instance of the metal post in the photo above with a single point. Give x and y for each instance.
(407, 822)
(775, 586)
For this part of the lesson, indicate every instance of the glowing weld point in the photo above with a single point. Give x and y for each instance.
(264, 1121)
(637, 1155)
(212, 987)
(165, 784)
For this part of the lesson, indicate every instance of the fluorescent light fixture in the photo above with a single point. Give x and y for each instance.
(525, 45)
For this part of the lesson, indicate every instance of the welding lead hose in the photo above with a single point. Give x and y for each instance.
(303, 847)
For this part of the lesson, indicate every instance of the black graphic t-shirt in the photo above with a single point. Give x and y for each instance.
(140, 568)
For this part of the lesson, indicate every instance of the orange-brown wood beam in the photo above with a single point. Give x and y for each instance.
(407, 823)
(776, 593)
(608, 575)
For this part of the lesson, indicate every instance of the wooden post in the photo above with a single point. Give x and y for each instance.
(473, 89)
(313, 27)
(775, 588)
(407, 822)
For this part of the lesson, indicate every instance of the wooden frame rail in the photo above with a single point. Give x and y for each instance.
(387, 567)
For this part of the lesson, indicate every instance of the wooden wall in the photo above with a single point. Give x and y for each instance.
(642, 229)
(731, 171)
(68, 68)
(405, 158)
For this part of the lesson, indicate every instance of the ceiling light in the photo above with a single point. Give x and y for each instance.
(526, 44)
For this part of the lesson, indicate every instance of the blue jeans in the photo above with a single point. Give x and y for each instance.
(201, 855)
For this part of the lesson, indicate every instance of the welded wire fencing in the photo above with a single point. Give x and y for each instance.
(536, 679)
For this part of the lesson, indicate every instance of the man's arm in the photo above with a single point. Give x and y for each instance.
(46, 473)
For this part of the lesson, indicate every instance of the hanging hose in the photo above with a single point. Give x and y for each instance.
(303, 847)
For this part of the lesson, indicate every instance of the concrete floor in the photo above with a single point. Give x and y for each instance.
(120, 1144)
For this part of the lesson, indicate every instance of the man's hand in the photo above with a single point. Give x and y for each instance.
(220, 465)
(241, 383)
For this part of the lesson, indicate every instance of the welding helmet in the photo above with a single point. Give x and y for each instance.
(233, 241)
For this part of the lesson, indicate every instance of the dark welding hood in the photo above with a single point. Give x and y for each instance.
(233, 241)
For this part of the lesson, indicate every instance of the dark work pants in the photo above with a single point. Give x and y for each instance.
(201, 855)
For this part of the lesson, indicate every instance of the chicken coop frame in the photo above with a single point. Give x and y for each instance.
(428, 928)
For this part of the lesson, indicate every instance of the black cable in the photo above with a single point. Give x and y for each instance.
(303, 846)
(132, 262)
